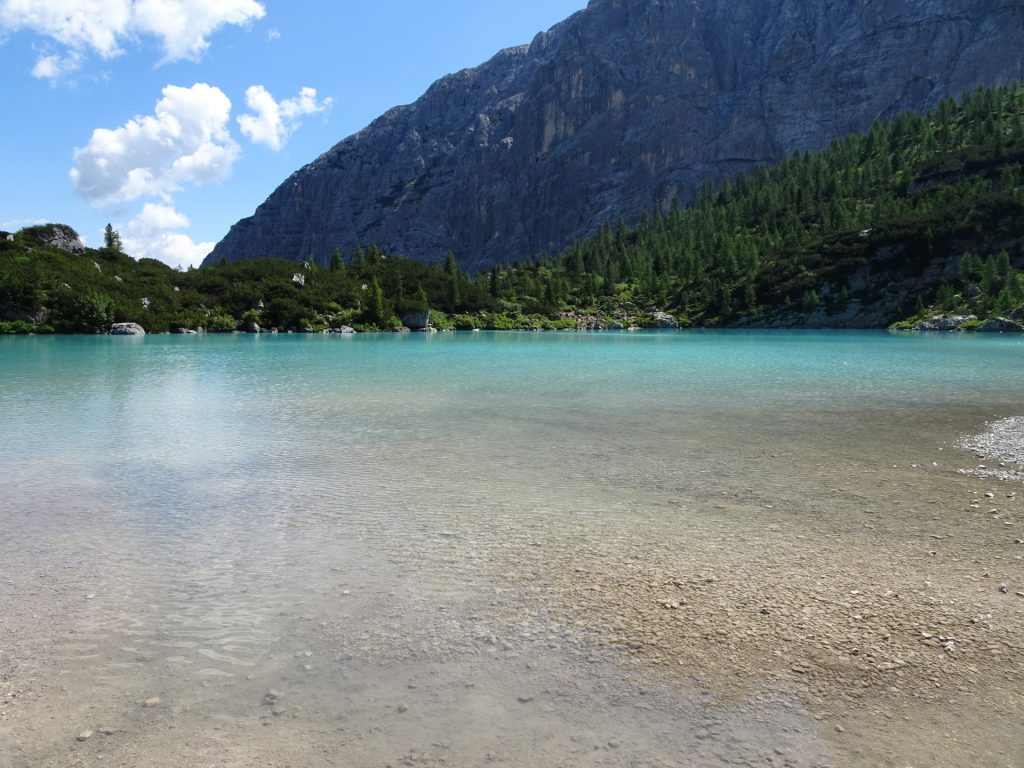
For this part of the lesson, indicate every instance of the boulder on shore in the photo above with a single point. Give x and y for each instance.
(417, 320)
(1001, 325)
(127, 329)
(665, 320)
(945, 323)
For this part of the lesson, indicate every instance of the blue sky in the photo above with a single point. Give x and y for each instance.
(173, 119)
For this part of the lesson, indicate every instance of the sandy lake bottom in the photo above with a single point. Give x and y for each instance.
(686, 551)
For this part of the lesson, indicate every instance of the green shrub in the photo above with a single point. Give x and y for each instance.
(222, 323)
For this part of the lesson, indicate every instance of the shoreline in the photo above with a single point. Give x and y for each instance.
(909, 332)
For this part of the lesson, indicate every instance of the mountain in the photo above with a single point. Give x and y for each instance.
(918, 221)
(621, 108)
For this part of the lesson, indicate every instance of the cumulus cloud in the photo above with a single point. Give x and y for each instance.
(183, 26)
(156, 234)
(272, 122)
(101, 27)
(80, 25)
(54, 67)
(186, 142)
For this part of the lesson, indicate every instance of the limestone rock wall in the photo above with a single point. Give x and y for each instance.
(623, 107)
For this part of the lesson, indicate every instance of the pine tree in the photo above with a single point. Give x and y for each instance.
(112, 238)
(452, 270)
(376, 311)
(494, 283)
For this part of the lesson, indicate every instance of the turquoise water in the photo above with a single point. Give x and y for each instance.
(160, 414)
(233, 503)
(199, 400)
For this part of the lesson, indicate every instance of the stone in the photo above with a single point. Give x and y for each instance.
(624, 105)
(416, 321)
(346, 330)
(150, 703)
(253, 327)
(60, 237)
(84, 736)
(944, 323)
(1001, 325)
(665, 320)
(271, 697)
(127, 329)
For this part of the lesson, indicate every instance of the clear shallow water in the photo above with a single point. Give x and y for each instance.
(203, 518)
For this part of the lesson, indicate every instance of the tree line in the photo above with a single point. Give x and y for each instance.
(911, 192)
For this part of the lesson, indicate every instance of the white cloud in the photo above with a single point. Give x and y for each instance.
(183, 27)
(54, 67)
(185, 142)
(273, 34)
(156, 218)
(79, 25)
(155, 234)
(273, 121)
(12, 225)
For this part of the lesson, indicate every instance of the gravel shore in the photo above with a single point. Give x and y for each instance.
(1001, 443)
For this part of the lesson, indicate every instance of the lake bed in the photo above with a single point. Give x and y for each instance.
(665, 549)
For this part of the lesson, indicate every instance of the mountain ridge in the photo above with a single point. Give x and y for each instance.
(618, 110)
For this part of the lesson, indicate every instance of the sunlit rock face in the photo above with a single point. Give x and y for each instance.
(621, 108)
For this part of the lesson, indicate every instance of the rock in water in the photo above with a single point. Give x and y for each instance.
(417, 321)
(626, 105)
(127, 329)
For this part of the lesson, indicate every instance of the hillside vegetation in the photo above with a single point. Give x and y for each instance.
(920, 215)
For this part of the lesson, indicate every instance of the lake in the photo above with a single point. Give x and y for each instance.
(656, 549)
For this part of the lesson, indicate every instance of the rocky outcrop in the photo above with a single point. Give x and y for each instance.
(945, 323)
(1001, 325)
(60, 237)
(665, 320)
(418, 320)
(127, 329)
(624, 106)
(14, 313)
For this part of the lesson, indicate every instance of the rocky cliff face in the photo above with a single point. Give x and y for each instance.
(623, 107)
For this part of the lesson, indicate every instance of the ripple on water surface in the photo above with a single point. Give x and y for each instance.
(378, 530)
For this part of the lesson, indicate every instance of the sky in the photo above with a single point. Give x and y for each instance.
(173, 119)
